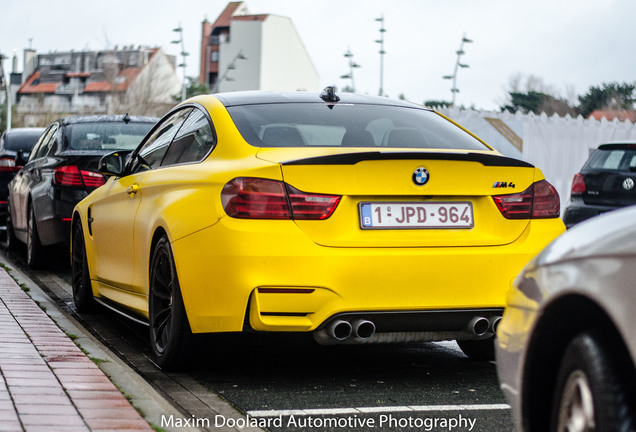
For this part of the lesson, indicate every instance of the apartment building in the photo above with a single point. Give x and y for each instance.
(242, 51)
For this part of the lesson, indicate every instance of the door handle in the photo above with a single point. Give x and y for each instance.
(132, 190)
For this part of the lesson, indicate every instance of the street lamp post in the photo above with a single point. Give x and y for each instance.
(184, 54)
(458, 64)
(382, 52)
(352, 65)
(6, 91)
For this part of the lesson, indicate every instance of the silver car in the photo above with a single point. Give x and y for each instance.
(566, 346)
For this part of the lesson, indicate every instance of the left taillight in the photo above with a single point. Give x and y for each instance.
(539, 201)
(71, 175)
(257, 198)
(578, 185)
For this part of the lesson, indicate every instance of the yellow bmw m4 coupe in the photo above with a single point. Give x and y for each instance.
(360, 219)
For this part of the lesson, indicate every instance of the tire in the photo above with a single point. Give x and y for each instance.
(36, 254)
(12, 241)
(170, 334)
(480, 349)
(81, 280)
(591, 391)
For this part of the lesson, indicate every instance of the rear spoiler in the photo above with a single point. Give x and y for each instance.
(354, 158)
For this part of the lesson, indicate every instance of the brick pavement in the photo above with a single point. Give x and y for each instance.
(47, 383)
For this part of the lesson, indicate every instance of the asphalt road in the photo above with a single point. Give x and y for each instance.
(289, 383)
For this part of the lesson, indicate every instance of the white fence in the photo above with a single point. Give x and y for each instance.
(557, 145)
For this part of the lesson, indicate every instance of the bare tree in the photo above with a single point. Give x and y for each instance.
(152, 90)
(530, 93)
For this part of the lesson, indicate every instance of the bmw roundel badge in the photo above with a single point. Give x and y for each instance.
(420, 176)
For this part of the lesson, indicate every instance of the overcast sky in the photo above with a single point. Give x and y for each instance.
(569, 44)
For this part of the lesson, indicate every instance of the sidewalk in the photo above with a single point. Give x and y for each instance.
(46, 382)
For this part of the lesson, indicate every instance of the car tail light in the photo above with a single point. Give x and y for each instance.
(68, 176)
(92, 179)
(539, 201)
(71, 175)
(578, 185)
(256, 198)
(7, 164)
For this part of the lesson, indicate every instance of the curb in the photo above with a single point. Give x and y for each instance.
(150, 404)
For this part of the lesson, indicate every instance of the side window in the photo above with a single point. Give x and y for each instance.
(193, 142)
(154, 149)
(54, 144)
(39, 143)
(45, 145)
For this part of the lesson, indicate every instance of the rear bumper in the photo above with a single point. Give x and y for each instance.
(577, 211)
(273, 274)
(53, 231)
(54, 214)
(408, 326)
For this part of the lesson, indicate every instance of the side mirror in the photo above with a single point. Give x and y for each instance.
(113, 164)
(20, 159)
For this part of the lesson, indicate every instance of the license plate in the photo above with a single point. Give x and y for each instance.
(411, 215)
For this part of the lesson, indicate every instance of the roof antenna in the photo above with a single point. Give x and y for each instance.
(329, 95)
(126, 118)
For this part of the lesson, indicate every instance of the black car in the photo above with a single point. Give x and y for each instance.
(13, 142)
(606, 182)
(60, 172)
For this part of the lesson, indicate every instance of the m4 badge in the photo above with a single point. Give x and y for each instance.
(500, 185)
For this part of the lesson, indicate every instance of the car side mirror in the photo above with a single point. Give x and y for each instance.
(113, 164)
(20, 159)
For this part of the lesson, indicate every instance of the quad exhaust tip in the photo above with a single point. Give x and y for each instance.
(363, 329)
(479, 326)
(494, 324)
(341, 330)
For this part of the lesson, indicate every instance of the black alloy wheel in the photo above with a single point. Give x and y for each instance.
(81, 280)
(36, 254)
(170, 334)
(593, 388)
(479, 349)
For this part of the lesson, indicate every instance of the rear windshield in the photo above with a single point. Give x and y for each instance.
(321, 125)
(613, 159)
(21, 141)
(109, 136)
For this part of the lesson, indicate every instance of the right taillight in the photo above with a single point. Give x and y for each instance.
(71, 175)
(92, 179)
(258, 198)
(539, 201)
(578, 185)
